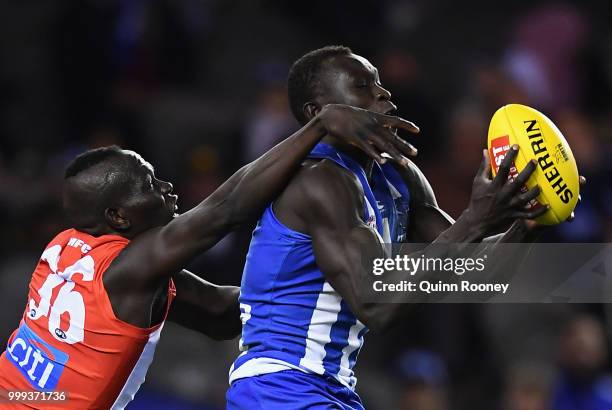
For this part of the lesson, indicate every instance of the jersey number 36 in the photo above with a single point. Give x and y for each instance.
(67, 301)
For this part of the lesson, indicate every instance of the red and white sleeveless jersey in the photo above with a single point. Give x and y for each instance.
(69, 339)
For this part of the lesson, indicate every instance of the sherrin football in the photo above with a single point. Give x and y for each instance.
(538, 138)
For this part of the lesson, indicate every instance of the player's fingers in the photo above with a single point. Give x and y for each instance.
(520, 180)
(409, 149)
(571, 217)
(383, 144)
(504, 168)
(397, 122)
(375, 154)
(404, 146)
(371, 150)
(531, 214)
(484, 171)
(582, 181)
(524, 198)
(390, 135)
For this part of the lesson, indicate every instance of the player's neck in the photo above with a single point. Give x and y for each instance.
(355, 153)
(100, 230)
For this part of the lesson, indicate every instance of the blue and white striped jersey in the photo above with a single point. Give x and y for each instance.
(292, 317)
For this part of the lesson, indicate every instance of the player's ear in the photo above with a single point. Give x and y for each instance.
(115, 218)
(311, 110)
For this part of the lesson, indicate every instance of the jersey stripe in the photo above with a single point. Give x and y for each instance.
(339, 339)
(319, 330)
(355, 352)
(350, 351)
(137, 376)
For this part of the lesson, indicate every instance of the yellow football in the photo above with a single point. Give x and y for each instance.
(538, 138)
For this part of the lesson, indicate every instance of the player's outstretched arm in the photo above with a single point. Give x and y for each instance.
(330, 203)
(160, 252)
(205, 307)
(428, 221)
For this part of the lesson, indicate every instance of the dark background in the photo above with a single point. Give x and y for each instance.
(198, 88)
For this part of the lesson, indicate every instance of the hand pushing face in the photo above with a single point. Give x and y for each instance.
(353, 80)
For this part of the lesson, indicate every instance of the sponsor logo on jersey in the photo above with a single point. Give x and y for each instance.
(40, 363)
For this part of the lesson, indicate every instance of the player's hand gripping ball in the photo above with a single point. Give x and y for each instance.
(538, 138)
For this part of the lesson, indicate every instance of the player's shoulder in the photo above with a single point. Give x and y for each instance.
(411, 173)
(77, 243)
(322, 180)
(321, 192)
(416, 181)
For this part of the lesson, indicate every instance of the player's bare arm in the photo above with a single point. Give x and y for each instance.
(155, 255)
(340, 236)
(205, 307)
(428, 220)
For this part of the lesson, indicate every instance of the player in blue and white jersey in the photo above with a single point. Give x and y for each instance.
(304, 317)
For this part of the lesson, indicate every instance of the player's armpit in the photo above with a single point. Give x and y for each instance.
(205, 307)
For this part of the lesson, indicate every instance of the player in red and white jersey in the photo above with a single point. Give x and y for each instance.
(102, 290)
(66, 302)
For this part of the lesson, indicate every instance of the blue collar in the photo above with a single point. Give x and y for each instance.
(390, 191)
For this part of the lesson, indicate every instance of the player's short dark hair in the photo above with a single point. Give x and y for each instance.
(303, 81)
(92, 181)
(90, 158)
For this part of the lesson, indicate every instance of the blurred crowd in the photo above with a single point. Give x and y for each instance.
(198, 88)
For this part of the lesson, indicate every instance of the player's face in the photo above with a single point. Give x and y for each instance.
(352, 80)
(151, 201)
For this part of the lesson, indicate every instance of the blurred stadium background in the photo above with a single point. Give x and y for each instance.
(198, 88)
